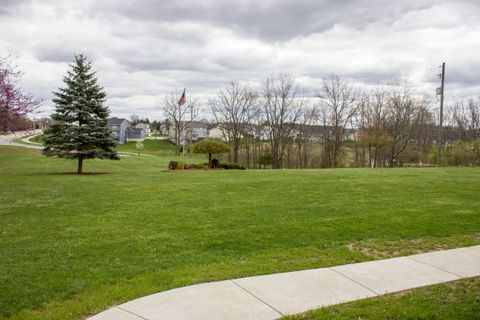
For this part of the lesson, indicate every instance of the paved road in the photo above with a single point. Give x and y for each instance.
(273, 296)
(7, 140)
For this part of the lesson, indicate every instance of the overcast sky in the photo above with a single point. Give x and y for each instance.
(143, 49)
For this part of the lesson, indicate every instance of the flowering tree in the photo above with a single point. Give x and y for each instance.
(15, 104)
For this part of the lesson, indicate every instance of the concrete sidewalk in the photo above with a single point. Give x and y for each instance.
(272, 296)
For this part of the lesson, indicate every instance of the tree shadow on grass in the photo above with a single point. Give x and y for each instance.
(80, 174)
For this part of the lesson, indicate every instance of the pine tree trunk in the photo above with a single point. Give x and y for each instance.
(80, 165)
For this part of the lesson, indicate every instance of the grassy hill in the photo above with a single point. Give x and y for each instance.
(150, 146)
(74, 245)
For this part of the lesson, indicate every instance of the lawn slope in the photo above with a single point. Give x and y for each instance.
(458, 300)
(71, 245)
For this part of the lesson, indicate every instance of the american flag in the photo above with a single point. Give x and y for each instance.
(182, 99)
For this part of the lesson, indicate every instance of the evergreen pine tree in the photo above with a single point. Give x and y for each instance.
(80, 129)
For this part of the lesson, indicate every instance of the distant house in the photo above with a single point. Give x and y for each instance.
(144, 126)
(164, 129)
(257, 131)
(313, 133)
(215, 132)
(122, 131)
(318, 133)
(196, 130)
(135, 134)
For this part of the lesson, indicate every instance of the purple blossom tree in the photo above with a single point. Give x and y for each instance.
(15, 104)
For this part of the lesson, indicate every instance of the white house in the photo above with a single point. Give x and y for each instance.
(195, 130)
(214, 132)
(144, 126)
(258, 131)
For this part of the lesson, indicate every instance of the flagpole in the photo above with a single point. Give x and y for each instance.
(184, 135)
(180, 103)
(191, 132)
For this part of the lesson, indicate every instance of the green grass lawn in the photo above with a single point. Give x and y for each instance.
(71, 246)
(451, 301)
(37, 138)
(32, 141)
(150, 146)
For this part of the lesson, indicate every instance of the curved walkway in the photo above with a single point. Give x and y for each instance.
(276, 295)
(8, 140)
(28, 139)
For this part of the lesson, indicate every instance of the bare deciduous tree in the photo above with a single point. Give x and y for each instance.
(282, 108)
(304, 129)
(374, 133)
(401, 109)
(405, 114)
(337, 109)
(233, 109)
(359, 122)
(466, 117)
(179, 117)
(396, 117)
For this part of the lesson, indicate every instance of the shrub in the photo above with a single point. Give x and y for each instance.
(458, 153)
(211, 147)
(172, 165)
(214, 163)
(180, 165)
(229, 166)
(265, 159)
(201, 165)
(196, 166)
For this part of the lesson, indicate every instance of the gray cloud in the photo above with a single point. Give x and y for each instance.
(8, 7)
(143, 49)
(271, 20)
(464, 77)
(53, 54)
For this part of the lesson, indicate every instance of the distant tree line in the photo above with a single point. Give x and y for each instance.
(277, 124)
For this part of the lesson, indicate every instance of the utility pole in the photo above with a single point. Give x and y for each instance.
(440, 131)
(191, 131)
